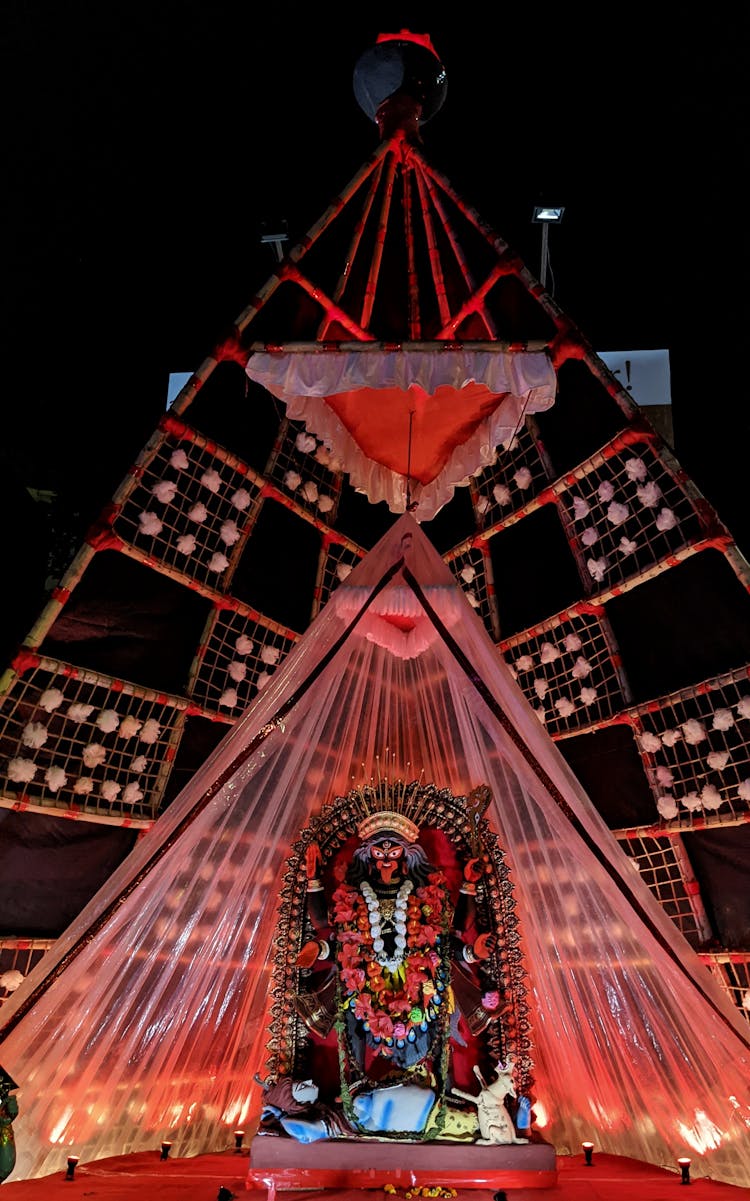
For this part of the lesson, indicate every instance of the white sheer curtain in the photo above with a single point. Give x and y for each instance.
(156, 1014)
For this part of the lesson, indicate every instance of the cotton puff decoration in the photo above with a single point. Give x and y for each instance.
(325, 504)
(694, 731)
(51, 699)
(270, 654)
(306, 443)
(343, 570)
(691, 801)
(241, 499)
(128, 727)
(179, 459)
(664, 776)
(292, 480)
(581, 668)
(472, 599)
(635, 469)
(541, 715)
(667, 807)
(165, 491)
(649, 743)
(482, 505)
(322, 455)
(580, 508)
(262, 680)
(34, 735)
(548, 653)
(597, 568)
(228, 698)
(83, 786)
(55, 778)
(94, 754)
(522, 478)
(151, 731)
(665, 520)
(743, 790)
(605, 491)
(218, 562)
(198, 513)
(524, 663)
(617, 513)
(211, 480)
(717, 760)
(229, 533)
(670, 737)
(572, 642)
(743, 706)
(79, 712)
(501, 493)
(140, 763)
(110, 790)
(649, 494)
(467, 574)
(186, 544)
(108, 721)
(564, 706)
(711, 798)
(541, 687)
(21, 771)
(150, 524)
(132, 793)
(237, 671)
(11, 980)
(588, 696)
(310, 491)
(589, 537)
(244, 645)
(723, 719)
(627, 546)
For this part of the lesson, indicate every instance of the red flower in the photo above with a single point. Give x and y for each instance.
(363, 1008)
(381, 1025)
(353, 979)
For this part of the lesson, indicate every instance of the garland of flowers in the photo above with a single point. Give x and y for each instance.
(394, 995)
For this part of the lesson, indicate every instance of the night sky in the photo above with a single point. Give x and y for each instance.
(147, 147)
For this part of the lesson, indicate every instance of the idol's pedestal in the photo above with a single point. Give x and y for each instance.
(277, 1162)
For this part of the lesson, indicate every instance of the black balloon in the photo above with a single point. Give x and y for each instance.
(399, 66)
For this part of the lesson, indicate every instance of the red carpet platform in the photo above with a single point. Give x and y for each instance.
(363, 1164)
(146, 1178)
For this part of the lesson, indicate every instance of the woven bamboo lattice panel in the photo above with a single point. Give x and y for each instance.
(88, 745)
(302, 468)
(17, 958)
(665, 868)
(240, 652)
(732, 971)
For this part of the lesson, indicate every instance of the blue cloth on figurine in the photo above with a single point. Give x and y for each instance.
(394, 1107)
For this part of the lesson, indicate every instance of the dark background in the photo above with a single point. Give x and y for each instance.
(148, 146)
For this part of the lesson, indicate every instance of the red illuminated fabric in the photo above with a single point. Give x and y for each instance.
(409, 424)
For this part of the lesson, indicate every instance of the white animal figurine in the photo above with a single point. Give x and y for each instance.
(495, 1125)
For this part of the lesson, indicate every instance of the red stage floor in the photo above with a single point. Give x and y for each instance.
(147, 1178)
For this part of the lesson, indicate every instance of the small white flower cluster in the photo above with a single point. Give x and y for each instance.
(237, 669)
(307, 444)
(549, 652)
(35, 734)
(647, 494)
(694, 732)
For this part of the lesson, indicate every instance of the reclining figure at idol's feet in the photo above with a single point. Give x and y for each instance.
(396, 971)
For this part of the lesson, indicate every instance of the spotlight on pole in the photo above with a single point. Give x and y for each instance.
(546, 215)
(588, 1151)
(71, 1172)
(684, 1164)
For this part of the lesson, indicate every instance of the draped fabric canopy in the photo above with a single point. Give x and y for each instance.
(149, 1018)
(416, 423)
